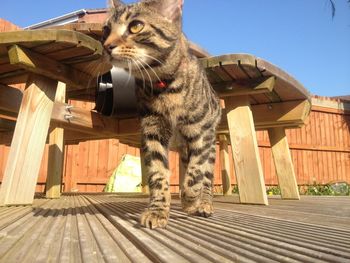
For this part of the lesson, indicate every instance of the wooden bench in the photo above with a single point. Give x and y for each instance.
(56, 64)
(257, 96)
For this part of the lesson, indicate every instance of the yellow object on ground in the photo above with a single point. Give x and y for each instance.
(126, 178)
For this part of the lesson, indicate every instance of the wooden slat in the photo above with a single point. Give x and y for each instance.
(239, 88)
(42, 35)
(50, 68)
(289, 112)
(105, 228)
(283, 164)
(92, 123)
(10, 99)
(14, 77)
(56, 152)
(269, 115)
(284, 114)
(5, 139)
(28, 142)
(52, 46)
(92, 29)
(245, 66)
(245, 153)
(288, 88)
(7, 125)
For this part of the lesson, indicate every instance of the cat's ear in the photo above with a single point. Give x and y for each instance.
(171, 9)
(115, 3)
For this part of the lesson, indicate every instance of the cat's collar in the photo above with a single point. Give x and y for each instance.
(161, 84)
(156, 87)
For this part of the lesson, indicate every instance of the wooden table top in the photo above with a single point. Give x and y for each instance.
(237, 68)
(71, 49)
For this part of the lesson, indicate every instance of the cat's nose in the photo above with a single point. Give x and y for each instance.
(109, 47)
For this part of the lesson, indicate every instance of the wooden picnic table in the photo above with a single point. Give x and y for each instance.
(58, 62)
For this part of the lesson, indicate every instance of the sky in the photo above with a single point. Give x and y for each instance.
(299, 36)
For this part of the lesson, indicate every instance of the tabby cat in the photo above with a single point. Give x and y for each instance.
(175, 99)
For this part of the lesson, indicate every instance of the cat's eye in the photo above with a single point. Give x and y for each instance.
(136, 26)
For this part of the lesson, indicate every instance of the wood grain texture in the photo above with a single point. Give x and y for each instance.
(283, 164)
(10, 99)
(56, 152)
(245, 152)
(48, 35)
(248, 87)
(28, 143)
(81, 52)
(40, 64)
(7, 125)
(283, 114)
(246, 66)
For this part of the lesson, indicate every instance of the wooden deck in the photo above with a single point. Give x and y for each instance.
(104, 228)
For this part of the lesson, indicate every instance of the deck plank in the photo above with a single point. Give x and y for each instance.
(105, 228)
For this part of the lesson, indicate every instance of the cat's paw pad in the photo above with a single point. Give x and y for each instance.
(154, 219)
(199, 209)
(205, 210)
(190, 207)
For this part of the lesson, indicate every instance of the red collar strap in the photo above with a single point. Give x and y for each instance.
(161, 84)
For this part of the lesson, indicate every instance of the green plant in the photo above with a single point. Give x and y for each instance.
(333, 189)
(235, 189)
(273, 190)
(317, 189)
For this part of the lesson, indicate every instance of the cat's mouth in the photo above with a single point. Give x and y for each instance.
(129, 58)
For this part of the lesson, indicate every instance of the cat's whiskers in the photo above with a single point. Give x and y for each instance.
(154, 72)
(149, 76)
(149, 56)
(129, 67)
(155, 59)
(139, 69)
(94, 69)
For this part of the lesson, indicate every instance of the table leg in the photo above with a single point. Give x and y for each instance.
(27, 147)
(225, 165)
(245, 151)
(56, 152)
(182, 173)
(144, 177)
(283, 164)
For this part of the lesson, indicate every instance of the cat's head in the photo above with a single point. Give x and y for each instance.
(142, 33)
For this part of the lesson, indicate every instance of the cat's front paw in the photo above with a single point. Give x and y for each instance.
(190, 207)
(198, 208)
(205, 209)
(154, 219)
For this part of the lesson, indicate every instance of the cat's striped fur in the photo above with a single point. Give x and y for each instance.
(175, 98)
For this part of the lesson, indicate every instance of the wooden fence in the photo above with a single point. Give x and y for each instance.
(320, 152)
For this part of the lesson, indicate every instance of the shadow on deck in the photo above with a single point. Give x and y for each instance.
(98, 228)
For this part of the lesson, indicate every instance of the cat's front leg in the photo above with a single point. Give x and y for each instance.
(197, 192)
(155, 141)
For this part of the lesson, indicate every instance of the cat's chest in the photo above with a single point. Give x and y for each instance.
(169, 104)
